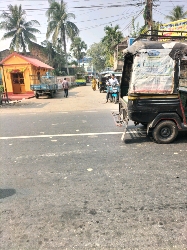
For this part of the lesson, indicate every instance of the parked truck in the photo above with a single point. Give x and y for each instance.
(44, 85)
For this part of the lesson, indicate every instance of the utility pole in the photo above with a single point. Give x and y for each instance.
(148, 15)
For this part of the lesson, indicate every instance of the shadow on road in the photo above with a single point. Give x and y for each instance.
(4, 193)
(139, 135)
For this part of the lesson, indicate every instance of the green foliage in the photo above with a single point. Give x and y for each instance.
(1, 88)
(135, 31)
(78, 48)
(96, 52)
(177, 13)
(112, 36)
(56, 56)
(59, 24)
(79, 70)
(73, 63)
(16, 27)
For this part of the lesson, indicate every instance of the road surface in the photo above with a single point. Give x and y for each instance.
(68, 182)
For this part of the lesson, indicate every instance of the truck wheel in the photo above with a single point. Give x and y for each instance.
(165, 132)
(37, 95)
(52, 94)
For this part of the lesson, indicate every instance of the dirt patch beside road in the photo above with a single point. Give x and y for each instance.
(80, 98)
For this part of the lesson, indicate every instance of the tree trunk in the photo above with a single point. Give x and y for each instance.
(63, 36)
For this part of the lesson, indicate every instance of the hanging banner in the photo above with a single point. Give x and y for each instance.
(152, 72)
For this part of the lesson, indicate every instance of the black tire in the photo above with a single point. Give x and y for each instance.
(165, 132)
(52, 94)
(115, 99)
(37, 95)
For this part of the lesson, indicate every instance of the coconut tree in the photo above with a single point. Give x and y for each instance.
(59, 24)
(177, 13)
(112, 36)
(17, 28)
(78, 48)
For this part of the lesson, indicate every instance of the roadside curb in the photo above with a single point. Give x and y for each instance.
(9, 103)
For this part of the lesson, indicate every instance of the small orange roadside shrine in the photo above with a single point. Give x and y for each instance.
(17, 71)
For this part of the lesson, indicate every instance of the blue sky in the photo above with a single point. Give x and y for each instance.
(92, 20)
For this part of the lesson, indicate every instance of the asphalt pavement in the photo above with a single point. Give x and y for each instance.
(68, 181)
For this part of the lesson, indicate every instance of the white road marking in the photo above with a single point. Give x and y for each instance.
(89, 169)
(58, 135)
(91, 111)
(27, 114)
(62, 112)
(69, 135)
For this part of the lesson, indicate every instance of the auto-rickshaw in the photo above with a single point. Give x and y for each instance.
(153, 89)
(102, 83)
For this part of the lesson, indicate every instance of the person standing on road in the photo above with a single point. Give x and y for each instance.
(94, 84)
(65, 86)
(112, 82)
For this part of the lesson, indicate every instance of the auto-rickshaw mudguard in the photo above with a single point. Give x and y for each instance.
(165, 116)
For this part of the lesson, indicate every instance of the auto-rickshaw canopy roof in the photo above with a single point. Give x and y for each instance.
(173, 45)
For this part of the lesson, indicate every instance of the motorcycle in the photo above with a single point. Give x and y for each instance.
(114, 94)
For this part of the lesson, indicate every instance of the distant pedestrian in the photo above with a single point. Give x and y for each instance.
(94, 84)
(65, 86)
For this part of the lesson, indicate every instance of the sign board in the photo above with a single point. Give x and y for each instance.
(130, 41)
(180, 26)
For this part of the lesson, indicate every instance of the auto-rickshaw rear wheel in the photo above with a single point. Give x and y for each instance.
(165, 132)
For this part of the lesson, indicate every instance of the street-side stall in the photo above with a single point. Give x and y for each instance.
(18, 69)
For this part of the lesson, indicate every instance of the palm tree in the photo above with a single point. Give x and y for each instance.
(77, 48)
(177, 13)
(17, 28)
(112, 36)
(59, 24)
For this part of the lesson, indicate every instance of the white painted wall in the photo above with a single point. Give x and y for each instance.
(70, 79)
